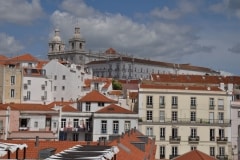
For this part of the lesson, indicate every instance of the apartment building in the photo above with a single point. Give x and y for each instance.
(66, 80)
(187, 112)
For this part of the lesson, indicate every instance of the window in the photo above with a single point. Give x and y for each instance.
(162, 152)
(96, 86)
(193, 148)
(88, 106)
(35, 124)
(174, 100)
(29, 82)
(174, 150)
(12, 94)
(104, 126)
(63, 77)
(212, 151)
(162, 133)
(149, 131)
(28, 95)
(45, 83)
(149, 115)
(75, 123)
(193, 116)
(100, 104)
(193, 101)
(162, 116)
(63, 123)
(212, 134)
(211, 102)
(54, 124)
(55, 88)
(238, 113)
(174, 132)
(220, 104)
(221, 133)
(115, 127)
(55, 77)
(162, 101)
(149, 101)
(221, 151)
(63, 88)
(12, 80)
(193, 133)
(220, 117)
(127, 125)
(174, 116)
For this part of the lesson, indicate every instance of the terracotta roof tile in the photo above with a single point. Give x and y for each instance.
(180, 87)
(133, 95)
(96, 96)
(196, 155)
(110, 51)
(114, 109)
(24, 57)
(115, 92)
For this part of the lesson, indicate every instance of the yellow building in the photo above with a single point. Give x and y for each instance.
(186, 114)
(10, 84)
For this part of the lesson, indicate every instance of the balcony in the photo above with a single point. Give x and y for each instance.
(162, 105)
(222, 157)
(174, 106)
(193, 139)
(175, 139)
(193, 106)
(172, 156)
(222, 140)
(211, 107)
(186, 121)
(149, 105)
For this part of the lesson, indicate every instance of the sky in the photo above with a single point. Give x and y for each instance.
(199, 32)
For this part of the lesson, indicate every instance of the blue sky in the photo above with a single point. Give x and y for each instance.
(200, 32)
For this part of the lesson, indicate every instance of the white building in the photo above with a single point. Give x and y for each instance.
(186, 112)
(66, 80)
(136, 68)
(112, 121)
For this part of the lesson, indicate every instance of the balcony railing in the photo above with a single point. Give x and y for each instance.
(186, 121)
(161, 105)
(222, 139)
(193, 139)
(172, 156)
(175, 139)
(222, 157)
(193, 106)
(211, 107)
(174, 106)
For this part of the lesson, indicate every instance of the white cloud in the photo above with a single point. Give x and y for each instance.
(183, 7)
(20, 11)
(9, 45)
(227, 7)
(235, 48)
(163, 40)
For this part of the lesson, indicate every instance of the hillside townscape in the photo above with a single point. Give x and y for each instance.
(78, 104)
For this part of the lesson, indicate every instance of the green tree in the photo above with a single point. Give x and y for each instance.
(116, 85)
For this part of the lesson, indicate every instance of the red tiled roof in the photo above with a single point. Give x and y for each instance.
(133, 95)
(115, 92)
(110, 51)
(203, 79)
(107, 81)
(24, 57)
(2, 57)
(41, 64)
(114, 109)
(96, 96)
(66, 106)
(37, 107)
(195, 155)
(127, 151)
(180, 87)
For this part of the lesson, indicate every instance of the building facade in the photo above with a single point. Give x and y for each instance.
(136, 68)
(186, 116)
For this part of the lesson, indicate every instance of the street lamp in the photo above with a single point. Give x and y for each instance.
(59, 109)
